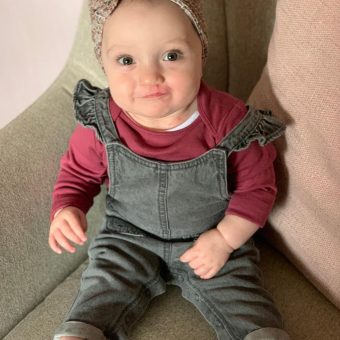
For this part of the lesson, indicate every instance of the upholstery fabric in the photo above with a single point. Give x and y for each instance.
(301, 84)
(32, 144)
(249, 25)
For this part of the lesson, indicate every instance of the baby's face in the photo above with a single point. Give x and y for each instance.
(152, 57)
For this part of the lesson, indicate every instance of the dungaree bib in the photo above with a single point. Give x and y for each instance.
(154, 212)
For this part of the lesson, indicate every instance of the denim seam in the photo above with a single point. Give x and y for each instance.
(222, 176)
(119, 324)
(111, 170)
(210, 307)
(74, 300)
(162, 202)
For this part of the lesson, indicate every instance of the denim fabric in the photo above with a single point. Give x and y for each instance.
(128, 267)
(157, 197)
(155, 211)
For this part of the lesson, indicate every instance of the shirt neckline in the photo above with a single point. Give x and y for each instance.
(186, 123)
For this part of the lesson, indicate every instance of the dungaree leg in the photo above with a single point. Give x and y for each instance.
(234, 302)
(116, 288)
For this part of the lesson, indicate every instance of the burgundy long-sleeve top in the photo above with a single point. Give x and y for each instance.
(251, 177)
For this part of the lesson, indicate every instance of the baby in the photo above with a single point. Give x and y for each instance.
(189, 176)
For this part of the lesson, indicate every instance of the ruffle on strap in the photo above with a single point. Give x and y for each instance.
(84, 99)
(258, 125)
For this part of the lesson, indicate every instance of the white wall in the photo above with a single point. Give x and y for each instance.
(35, 39)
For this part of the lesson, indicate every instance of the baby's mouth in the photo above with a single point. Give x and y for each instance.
(154, 95)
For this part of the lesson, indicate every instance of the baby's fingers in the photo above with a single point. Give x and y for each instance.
(63, 241)
(202, 271)
(71, 235)
(189, 255)
(211, 273)
(214, 269)
(54, 244)
(77, 227)
(196, 263)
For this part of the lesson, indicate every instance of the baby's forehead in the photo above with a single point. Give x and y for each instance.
(101, 10)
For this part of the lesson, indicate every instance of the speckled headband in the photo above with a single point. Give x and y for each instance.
(100, 10)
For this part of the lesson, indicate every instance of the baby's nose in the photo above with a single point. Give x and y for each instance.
(150, 75)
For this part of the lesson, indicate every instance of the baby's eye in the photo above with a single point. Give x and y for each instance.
(125, 60)
(171, 56)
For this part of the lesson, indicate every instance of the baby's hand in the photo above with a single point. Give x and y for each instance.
(208, 254)
(68, 225)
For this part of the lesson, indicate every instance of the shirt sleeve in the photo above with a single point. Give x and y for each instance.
(82, 172)
(251, 182)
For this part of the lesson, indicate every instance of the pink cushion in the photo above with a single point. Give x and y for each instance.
(301, 84)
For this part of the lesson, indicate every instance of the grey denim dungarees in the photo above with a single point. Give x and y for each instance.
(155, 211)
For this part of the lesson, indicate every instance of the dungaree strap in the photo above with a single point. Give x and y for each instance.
(91, 106)
(257, 125)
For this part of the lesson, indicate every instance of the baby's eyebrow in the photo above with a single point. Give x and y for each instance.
(178, 40)
(116, 47)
